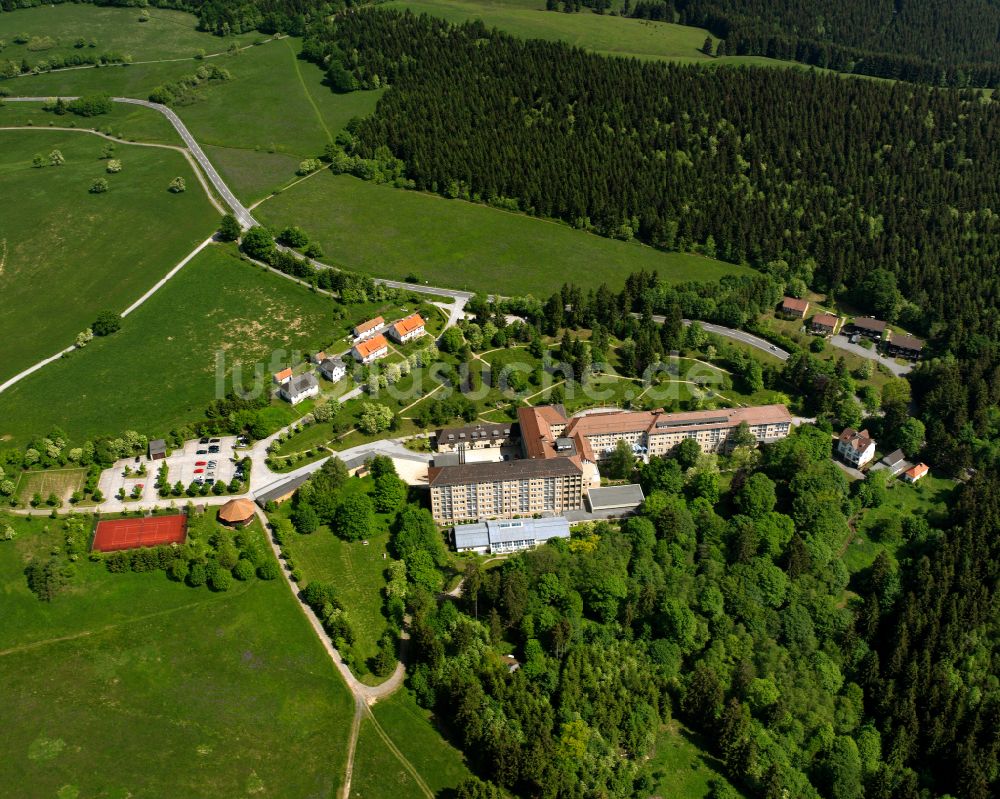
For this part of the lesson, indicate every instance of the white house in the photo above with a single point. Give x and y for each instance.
(408, 329)
(333, 369)
(367, 329)
(856, 447)
(371, 350)
(300, 388)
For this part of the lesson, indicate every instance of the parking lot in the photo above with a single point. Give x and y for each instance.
(195, 460)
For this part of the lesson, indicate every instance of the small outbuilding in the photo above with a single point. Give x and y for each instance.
(237, 513)
(157, 449)
(615, 500)
(915, 473)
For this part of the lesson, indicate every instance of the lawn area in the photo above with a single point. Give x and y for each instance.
(357, 571)
(411, 729)
(392, 233)
(61, 482)
(162, 368)
(67, 254)
(679, 768)
(57, 30)
(133, 685)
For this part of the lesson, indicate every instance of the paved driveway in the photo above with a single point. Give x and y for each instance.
(898, 369)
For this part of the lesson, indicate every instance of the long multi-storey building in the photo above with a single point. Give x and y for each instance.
(504, 489)
(593, 437)
(560, 457)
(658, 433)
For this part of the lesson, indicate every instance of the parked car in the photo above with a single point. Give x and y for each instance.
(202, 452)
(210, 481)
(211, 464)
(199, 480)
(213, 450)
(199, 463)
(199, 471)
(202, 440)
(215, 441)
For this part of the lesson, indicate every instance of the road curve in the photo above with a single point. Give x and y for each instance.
(242, 215)
(737, 335)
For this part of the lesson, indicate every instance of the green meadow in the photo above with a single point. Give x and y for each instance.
(393, 233)
(356, 569)
(129, 122)
(85, 29)
(256, 127)
(67, 254)
(605, 34)
(412, 731)
(159, 371)
(681, 769)
(134, 685)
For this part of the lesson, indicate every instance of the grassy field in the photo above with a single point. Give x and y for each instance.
(133, 685)
(56, 31)
(61, 482)
(599, 33)
(391, 233)
(159, 370)
(357, 570)
(66, 254)
(129, 122)
(679, 768)
(273, 113)
(378, 772)
(411, 729)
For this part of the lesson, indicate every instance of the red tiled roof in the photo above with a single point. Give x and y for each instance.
(409, 324)
(284, 374)
(917, 471)
(859, 441)
(364, 327)
(826, 320)
(795, 304)
(536, 430)
(372, 345)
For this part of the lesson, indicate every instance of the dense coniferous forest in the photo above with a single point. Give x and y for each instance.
(832, 176)
(954, 44)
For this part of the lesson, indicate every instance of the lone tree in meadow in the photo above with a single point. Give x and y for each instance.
(107, 322)
(99, 186)
(56, 158)
(177, 185)
(114, 166)
(707, 47)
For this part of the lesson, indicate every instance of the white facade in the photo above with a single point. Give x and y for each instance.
(333, 370)
(856, 451)
(300, 388)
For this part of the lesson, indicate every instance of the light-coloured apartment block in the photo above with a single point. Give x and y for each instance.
(504, 489)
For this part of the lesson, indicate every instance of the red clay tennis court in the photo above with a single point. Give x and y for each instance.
(153, 531)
